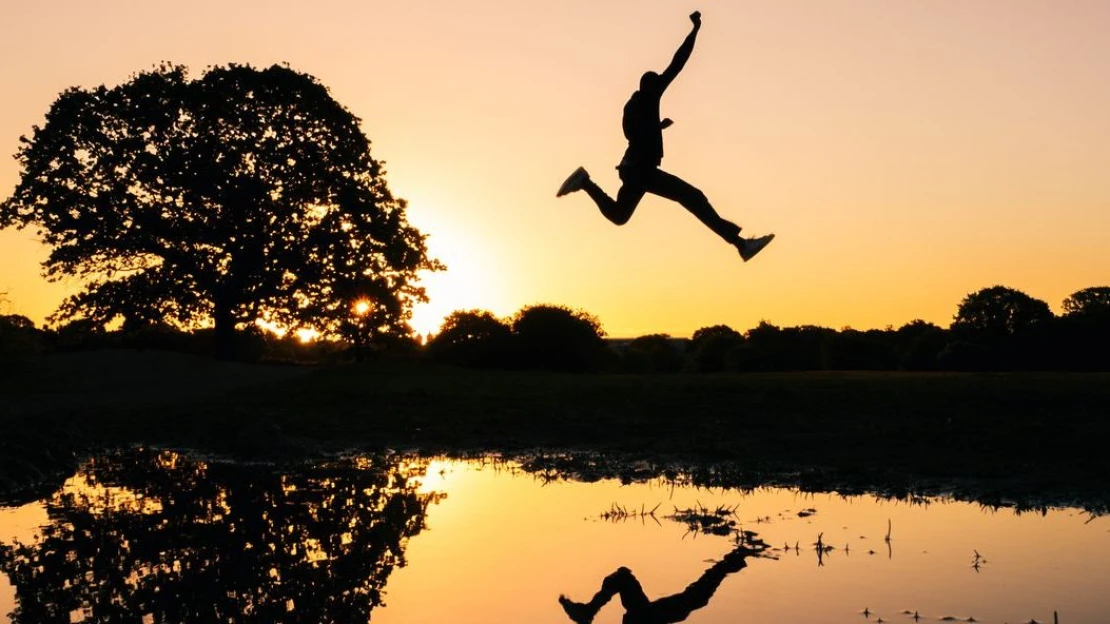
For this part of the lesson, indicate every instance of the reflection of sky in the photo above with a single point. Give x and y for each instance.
(502, 548)
(502, 545)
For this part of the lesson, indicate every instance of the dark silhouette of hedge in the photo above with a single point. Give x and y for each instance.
(850, 349)
(918, 344)
(653, 353)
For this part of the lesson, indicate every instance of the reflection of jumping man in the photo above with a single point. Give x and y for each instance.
(639, 169)
(667, 610)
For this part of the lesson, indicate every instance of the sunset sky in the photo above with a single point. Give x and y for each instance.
(905, 153)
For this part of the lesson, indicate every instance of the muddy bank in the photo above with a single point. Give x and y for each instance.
(1027, 439)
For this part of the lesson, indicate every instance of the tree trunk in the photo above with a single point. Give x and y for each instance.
(225, 332)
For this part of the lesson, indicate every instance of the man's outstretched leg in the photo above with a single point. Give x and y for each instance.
(692, 199)
(677, 607)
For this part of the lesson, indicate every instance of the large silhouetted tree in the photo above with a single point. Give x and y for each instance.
(244, 194)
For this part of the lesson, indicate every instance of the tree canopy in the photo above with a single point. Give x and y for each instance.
(1089, 301)
(999, 312)
(472, 338)
(555, 337)
(245, 194)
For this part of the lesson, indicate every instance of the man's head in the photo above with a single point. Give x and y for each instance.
(649, 81)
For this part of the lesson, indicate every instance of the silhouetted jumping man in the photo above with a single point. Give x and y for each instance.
(667, 610)
(639, 169)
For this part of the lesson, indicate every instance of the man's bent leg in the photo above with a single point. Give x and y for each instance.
(618, 211)
(692, 199)
(622, 583)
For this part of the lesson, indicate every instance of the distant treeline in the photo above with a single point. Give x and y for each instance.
(994, 329)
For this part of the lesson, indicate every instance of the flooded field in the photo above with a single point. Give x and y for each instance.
(158, 536)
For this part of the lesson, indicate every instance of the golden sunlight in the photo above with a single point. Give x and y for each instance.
(307, 335)
(473, 279)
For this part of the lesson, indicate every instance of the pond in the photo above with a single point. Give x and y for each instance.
(159, 536)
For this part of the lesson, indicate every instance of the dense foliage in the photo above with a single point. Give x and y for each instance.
(245, 194)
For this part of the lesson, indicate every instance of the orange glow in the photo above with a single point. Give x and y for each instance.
(905, 153)
(362, 306)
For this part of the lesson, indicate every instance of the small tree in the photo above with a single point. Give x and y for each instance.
(472, 338)
(710, 348)
(553, 337)
(1085, 330)
(1011, 327)
(1093, 301)
(787, 348)
(241, 195)
(18, 336)
(919, 343)
(998, 313)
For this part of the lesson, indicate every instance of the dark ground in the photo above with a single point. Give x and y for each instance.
(1029, 438)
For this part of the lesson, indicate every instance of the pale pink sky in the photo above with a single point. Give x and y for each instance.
(905, 153)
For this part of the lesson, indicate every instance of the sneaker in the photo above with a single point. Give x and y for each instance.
(750, 246)
(575, 182)
(577, 612)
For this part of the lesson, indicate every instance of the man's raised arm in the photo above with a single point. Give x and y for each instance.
(683, 53)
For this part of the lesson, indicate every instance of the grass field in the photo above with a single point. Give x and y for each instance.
(1021, 432)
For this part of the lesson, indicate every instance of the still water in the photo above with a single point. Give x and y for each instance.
(157, 536)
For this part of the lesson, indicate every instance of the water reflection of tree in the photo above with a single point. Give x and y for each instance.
(159, 537)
